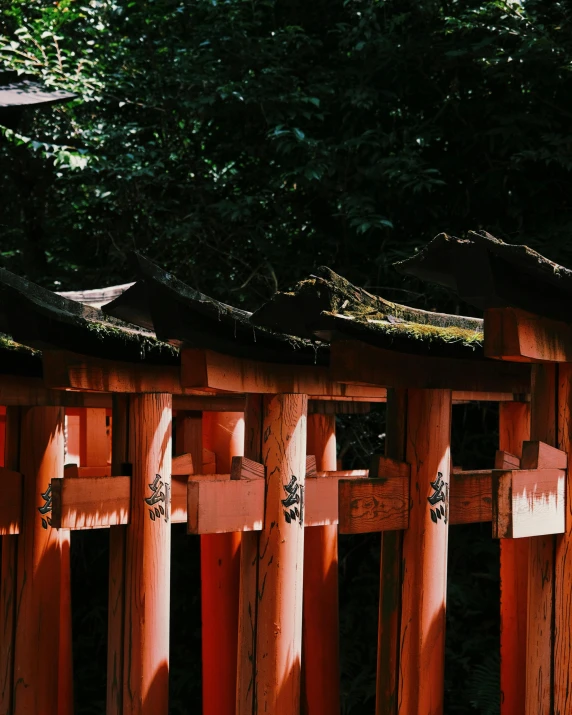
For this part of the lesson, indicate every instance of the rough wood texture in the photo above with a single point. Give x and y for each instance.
(367, 505)
(205, 369)
(514, 429)
(528, 502)
(422, 653)
(563, 561)
(540, 640)
(381, 466)
(117, 540)
(281, 557)
(389, 623)
(320, 622)
(356, 362)
(11, 460)
(37, 644)
(513, 334)
(539, 455)
(248, 600)
(470, 499)
(220, 576)
(147, 558)
(225, 506)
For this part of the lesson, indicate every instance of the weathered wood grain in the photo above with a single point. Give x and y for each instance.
(539, 455)
(367, 505)
(470, 499)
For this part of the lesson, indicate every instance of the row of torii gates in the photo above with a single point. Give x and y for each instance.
(253, 398)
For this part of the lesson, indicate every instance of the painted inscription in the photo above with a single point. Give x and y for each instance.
(46, 508)
(438, 499)
(294, 502)
(159, 499)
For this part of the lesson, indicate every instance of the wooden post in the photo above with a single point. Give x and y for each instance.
(421, 664)
(320, 622)
(11, 460)
(117, 539)
(514, 429)
(540, 631)
(248, 601)
(390, 571)
(281, 556)
(223, 433)
(36, 684)
(147, 557)
(563, 558)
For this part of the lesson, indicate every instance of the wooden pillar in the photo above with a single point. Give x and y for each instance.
(147, 557)
(422, 654)
(540, 641)
(248, 601)
(320, 621)
(390, 571)
(514, 428)
(11, 460)
(223, 433)
(36, 667)
(281, 557)
(117, 537)
(563, 558)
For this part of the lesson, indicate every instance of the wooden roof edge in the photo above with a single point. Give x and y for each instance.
(39, 318)
(186, 317)
(489, 273)
(95, 297)
(325, 301)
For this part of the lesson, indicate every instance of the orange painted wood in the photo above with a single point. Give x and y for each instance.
(225, 506)
(2, 433)
(514, 334)
(244, 468)
(11, 460)
(528, 502)
(248, 601)
(344, 473)
(95, 443)
(514, 429)
(422, 654)
(207, 369)
(539, 455)
(470, 497)
(90, 502)
(320, 618)
(37, 656)
(117, 540)
(11, 506)
(367, 505)
(460, 396)
(563, 560)
(540, 635)
(147, 558)
(64, 369)
(381, 466)
(182, 465)
(322, 497)
(506, 460)
(355, 362)
(281, 557)
(389, 622)
(220, 576)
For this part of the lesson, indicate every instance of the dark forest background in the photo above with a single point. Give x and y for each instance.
(241, 143)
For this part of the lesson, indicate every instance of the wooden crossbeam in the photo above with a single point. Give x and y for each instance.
(356, 362)
(373, 505)
(530, 501)
(209, 370)
(515, 335)
(470, 499)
